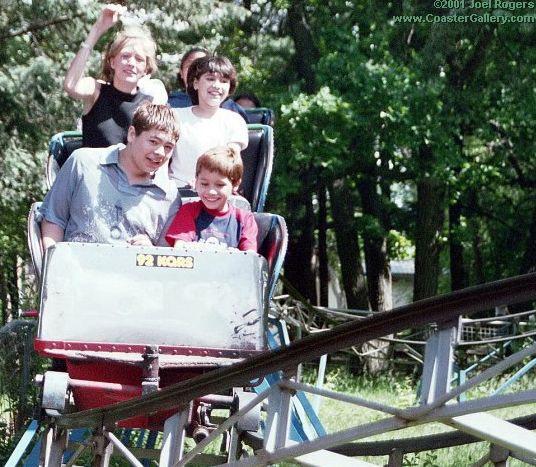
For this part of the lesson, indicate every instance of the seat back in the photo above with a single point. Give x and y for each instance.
(35, 244)
(60, 148)
(260, 115)
(272, 241)
(258, 160)
(257, 157)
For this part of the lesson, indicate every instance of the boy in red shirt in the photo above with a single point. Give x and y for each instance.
(212, 219)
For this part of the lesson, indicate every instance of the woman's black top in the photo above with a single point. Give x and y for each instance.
(108, 120)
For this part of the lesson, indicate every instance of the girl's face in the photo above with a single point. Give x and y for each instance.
(130, 64)
(212, 89)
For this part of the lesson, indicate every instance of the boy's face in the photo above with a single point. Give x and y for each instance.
(150, 149)
(213, 189)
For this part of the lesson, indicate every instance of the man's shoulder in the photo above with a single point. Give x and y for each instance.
(172, 191)
(84, 157)
(96, 153)
(166, 184)
(88, 158)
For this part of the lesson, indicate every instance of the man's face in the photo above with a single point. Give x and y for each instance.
(214, 189)
(150, 149)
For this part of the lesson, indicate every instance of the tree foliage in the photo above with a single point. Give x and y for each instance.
(387, 134)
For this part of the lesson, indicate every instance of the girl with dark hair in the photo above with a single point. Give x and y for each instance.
(205, 125)
(181, 98)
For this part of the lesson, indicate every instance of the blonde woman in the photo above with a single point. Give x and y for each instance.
(110, 102)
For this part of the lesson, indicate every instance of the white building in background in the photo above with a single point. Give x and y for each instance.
(402, 274)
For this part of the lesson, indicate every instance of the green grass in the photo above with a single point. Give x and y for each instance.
(394, 390)
(400, 391)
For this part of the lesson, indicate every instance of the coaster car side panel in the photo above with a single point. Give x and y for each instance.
(95, 293)
(106, 308)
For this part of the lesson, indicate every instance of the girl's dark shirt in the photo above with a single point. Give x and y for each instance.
(108, 120)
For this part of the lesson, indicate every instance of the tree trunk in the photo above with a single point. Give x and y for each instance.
(323, 269)
(378, 273)
(3, 293)
(375, 240)
(298, 262)
(477, 266)
(306, 52)
(430, 217)
(347, 238)
(458, 274)
(376, 351)
(528, 264)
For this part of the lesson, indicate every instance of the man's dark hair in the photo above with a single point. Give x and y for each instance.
(149, 116)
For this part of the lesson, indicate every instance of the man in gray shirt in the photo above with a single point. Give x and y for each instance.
(117, 194)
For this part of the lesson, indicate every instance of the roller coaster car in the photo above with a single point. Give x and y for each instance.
(129, 320)
(261, 115)
(257, 158)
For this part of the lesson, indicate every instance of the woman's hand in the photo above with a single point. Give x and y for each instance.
(109, 16)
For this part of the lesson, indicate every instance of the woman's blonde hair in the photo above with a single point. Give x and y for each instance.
(142, 37)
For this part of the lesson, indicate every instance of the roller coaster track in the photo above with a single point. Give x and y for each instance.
(469, 417)
(440, 309)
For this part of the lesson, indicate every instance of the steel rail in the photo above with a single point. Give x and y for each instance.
(499, 318)
(421, 443)
(407, 445)
(497, 340)
(440, 309)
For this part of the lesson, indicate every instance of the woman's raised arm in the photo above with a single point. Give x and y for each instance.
(75, 83)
